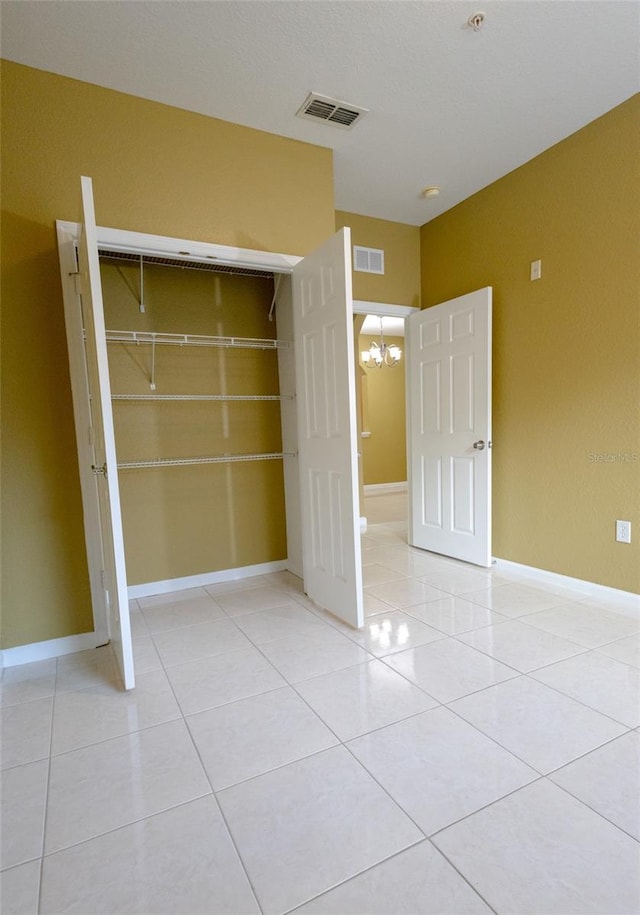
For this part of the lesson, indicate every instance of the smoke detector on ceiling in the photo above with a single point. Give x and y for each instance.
(476, 21)
(323, 108)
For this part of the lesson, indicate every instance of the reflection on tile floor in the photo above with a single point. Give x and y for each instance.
(473, 749)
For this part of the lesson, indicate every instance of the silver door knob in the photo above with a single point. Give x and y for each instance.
(479, 445)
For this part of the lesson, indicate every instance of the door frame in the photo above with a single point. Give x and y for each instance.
(138, 243)
(384, 311)
(68, 238)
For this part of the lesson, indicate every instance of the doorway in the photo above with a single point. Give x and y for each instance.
(382, 391)
(448, 413)
(381, 401)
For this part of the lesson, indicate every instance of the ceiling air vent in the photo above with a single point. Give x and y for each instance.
(368, 260)
(322, 108)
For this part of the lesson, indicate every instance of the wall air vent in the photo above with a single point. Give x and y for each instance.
(322, 108)
(368, 260)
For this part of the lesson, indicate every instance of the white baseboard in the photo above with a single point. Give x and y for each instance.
(52, 648)
(206, 578)
(377, 489)
(625, 601)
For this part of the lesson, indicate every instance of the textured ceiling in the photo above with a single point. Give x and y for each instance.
(447, 105)
(392, 327)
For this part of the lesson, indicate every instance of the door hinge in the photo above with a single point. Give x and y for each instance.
(90, 436)
(77, 281)
(102, 470)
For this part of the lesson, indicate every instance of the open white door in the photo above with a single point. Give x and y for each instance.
(327, 433)
(449, 427)
(105, 469)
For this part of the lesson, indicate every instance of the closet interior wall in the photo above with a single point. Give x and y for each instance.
(194, 519)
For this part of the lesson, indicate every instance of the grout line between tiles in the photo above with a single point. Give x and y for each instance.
(579, 701)
(476, 727)
(516, 674)
(214, 708)
(215, 798)
(464, 877)
(111, 830)
(294, 599)
(45, 818)
(460, 873)
(582, 650)
(357, 761)
(512, 752)
(589, 752)
(138, 730)
(593, 809)
(432, 836)
(425, 841)
(360, 765)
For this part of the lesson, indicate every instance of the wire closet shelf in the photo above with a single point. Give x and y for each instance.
(215, 397)
(218, 459)
(156, 339)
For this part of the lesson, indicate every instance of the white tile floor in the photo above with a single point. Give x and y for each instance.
(474, 749)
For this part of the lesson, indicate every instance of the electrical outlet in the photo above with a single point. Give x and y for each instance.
(536, 270)
(623, 531)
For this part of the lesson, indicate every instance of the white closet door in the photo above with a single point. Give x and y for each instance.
(449, 435)
(325, 378)
(104, 461)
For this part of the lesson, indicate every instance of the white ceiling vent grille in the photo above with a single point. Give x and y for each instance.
(368, 260)
(322, 108)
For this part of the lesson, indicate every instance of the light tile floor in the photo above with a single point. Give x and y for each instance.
(474, 749)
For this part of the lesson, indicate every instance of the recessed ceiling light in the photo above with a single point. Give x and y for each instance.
(431, 191)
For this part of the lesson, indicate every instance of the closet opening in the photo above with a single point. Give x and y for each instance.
(195, 372)
(195, 363)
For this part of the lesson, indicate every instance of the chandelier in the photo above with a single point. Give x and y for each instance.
(380, 354)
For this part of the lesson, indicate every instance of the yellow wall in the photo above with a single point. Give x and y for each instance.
(400, 283)
(189, 520)
(156, 169)
(566, 347)
(384, 454)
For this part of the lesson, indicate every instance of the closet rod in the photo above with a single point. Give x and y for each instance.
(134, 336)
(222, 397)
(218, 459)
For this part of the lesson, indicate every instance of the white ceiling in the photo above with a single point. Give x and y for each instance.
(391, 327)
(447, 105)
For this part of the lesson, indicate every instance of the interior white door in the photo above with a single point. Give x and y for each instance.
(103, 441)
(449, 427)
(327, 433)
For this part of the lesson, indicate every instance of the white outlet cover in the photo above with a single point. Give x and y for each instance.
(623, 531)
(536, 270)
